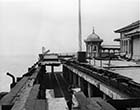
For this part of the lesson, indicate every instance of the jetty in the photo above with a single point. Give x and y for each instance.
(95, 88)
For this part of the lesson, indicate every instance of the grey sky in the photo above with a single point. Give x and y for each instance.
(27, 25)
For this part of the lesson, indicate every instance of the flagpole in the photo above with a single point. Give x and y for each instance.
(80, 28)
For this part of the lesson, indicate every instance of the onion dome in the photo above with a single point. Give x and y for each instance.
(93, 38)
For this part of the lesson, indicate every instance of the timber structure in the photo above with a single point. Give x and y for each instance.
(94, 88)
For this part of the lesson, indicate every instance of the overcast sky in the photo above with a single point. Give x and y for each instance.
(27, 25)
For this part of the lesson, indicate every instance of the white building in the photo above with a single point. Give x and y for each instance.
(130, 41)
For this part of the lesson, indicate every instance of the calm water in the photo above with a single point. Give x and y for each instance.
(17, 65)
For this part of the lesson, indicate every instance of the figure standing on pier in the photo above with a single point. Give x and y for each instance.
(69, 102)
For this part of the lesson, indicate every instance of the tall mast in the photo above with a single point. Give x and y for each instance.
(80, 28)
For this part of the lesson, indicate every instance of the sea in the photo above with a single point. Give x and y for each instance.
(16, 65)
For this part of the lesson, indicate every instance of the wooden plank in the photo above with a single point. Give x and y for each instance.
(103, 104)
(34, 92)
(36, 104)
(9, 98)
(84, 103)
(18, 95)
(41, 105)
(57, 104)
(24, 93)
(29, 105)
(34, 75)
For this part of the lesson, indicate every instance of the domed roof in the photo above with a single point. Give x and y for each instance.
(93, 38)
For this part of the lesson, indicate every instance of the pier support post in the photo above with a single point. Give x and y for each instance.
(95, 92)
(70, 77)
(84, 86)
(52, 69)
(74, 79)
(81, 84)
(79, 81)
(85, 83)
(89, 90)
(65, 73)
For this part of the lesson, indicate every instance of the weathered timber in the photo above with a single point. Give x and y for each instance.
(92, 103)
(84, 103)
(40, 105)
(122, 86)
(57, 104)
(34, 92)
(20, 102)
(9, 98)
(37, 105)
(30, 102)
(104, 105)
(16, 98)
(2, 94)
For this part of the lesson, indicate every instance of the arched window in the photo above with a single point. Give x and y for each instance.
(94, 48)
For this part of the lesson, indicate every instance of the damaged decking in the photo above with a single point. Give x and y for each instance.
(39, 90)
(42, 90)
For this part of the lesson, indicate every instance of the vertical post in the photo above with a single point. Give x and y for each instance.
(52, 69)
(100, 62)
(80, 34)
(128, 47)
(94, 59)
(79, 82)
(89, 90)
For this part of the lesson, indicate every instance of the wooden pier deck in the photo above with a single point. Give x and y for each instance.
(40, 90)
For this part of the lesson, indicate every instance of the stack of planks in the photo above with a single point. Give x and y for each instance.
(24, 96)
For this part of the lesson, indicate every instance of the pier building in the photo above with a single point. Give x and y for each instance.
(95, 49)
(130, 41)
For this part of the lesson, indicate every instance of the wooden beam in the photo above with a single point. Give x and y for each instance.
(125, 103)
(9, 98)
(92, 103)
(103, 104)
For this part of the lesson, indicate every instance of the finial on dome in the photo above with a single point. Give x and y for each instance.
(93, 31)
